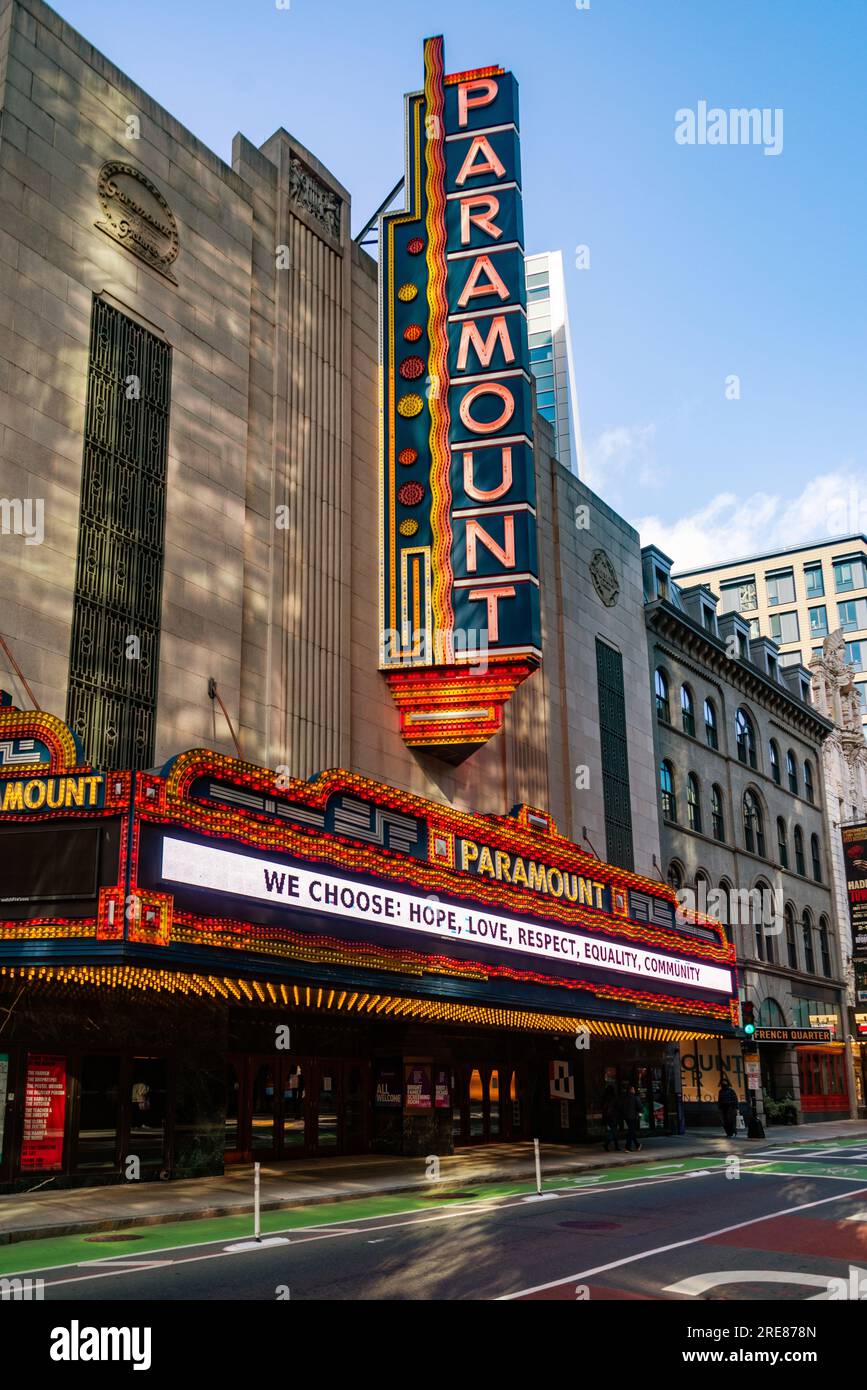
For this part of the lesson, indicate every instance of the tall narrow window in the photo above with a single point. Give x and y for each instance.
(792, 772)
(615, 760)
(782, 842)
(687, 711)
(666, 790)
(791, 943)
(114, 650)
(825, 946)
(774, 751)
(711, 731)
(663, 708)
(816, 857)
(800, 866)
(693, 803)
(807, 930)
(809, 791)
(717, 813)
(754, 830)
(745, 736)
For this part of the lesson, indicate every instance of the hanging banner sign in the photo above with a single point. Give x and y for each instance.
(855, 859)
(460, 614)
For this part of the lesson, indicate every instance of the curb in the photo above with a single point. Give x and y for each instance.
(204, 1213)
(210, 1212)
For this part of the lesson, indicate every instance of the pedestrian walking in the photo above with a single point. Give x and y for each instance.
(632, 1116)
(727, 1101)
(610, 1118)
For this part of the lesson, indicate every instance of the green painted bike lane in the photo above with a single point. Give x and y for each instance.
(136, 1241)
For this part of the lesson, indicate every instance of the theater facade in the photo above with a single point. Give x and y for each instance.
(209, 964)
(328, 792)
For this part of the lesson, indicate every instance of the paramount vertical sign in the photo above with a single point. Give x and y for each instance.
(460, 624)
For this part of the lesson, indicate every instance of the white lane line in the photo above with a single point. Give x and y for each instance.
(124, 1264)
(675, 1245)
(335, 1227)
(321, 1233)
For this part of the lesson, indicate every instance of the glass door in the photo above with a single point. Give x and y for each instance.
(148, 1107)
(294, 1119)
(327, 1134)
(356, 1106)
(99, 1115)
(233, 1143)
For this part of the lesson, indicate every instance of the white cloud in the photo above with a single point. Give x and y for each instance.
(831, 504)
(621, 453)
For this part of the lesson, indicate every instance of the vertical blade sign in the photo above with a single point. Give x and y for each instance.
(459, 595)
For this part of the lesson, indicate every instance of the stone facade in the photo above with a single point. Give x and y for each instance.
(248, 273)
(714, 659)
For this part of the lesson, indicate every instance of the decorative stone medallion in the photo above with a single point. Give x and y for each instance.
(604, 577)
(137, 216)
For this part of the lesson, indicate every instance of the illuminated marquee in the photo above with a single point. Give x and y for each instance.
(460, 625)
(348, 875)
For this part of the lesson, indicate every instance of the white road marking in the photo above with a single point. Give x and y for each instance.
(254, 1244)
(698, 1284)
(124, 1263)
(313, 1233)
(675, 1245)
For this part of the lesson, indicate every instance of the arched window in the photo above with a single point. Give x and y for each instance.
(774, 751)
(666, 790)
(782, 842)
(800, 866)
(809, 793)
(693, 803)
(745, 735)
(791, 940)
(687, 711)
(711, 731)
(663, 708)
(770, 1015)
(717, 814)
(702, 889)
(807, 932)
(675, 876)
(816, 857)
(825, 946)
(792, 771)
(724, 910)
(761, 910)
(754, 829)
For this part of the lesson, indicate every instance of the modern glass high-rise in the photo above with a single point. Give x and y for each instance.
(551, 354)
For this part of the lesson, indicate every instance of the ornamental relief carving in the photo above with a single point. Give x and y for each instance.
(137, 216)
(308, 192)
(604, 577)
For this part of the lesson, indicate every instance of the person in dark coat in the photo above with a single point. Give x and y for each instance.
(727, 1101)
(632, 1116)
(610, 1117)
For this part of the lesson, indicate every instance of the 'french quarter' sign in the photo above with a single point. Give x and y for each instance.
(460, 626)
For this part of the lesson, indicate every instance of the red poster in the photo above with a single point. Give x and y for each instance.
(44, 1114)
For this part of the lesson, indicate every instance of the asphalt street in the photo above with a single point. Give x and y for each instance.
(767, 1224)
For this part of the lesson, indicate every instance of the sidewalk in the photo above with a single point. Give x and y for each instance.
(32, 1215)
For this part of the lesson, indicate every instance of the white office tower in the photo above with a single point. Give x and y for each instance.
(551, 355)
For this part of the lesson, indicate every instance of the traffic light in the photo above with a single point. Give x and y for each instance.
(748, 1018)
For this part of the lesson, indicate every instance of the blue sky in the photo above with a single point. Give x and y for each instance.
(706, 262)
